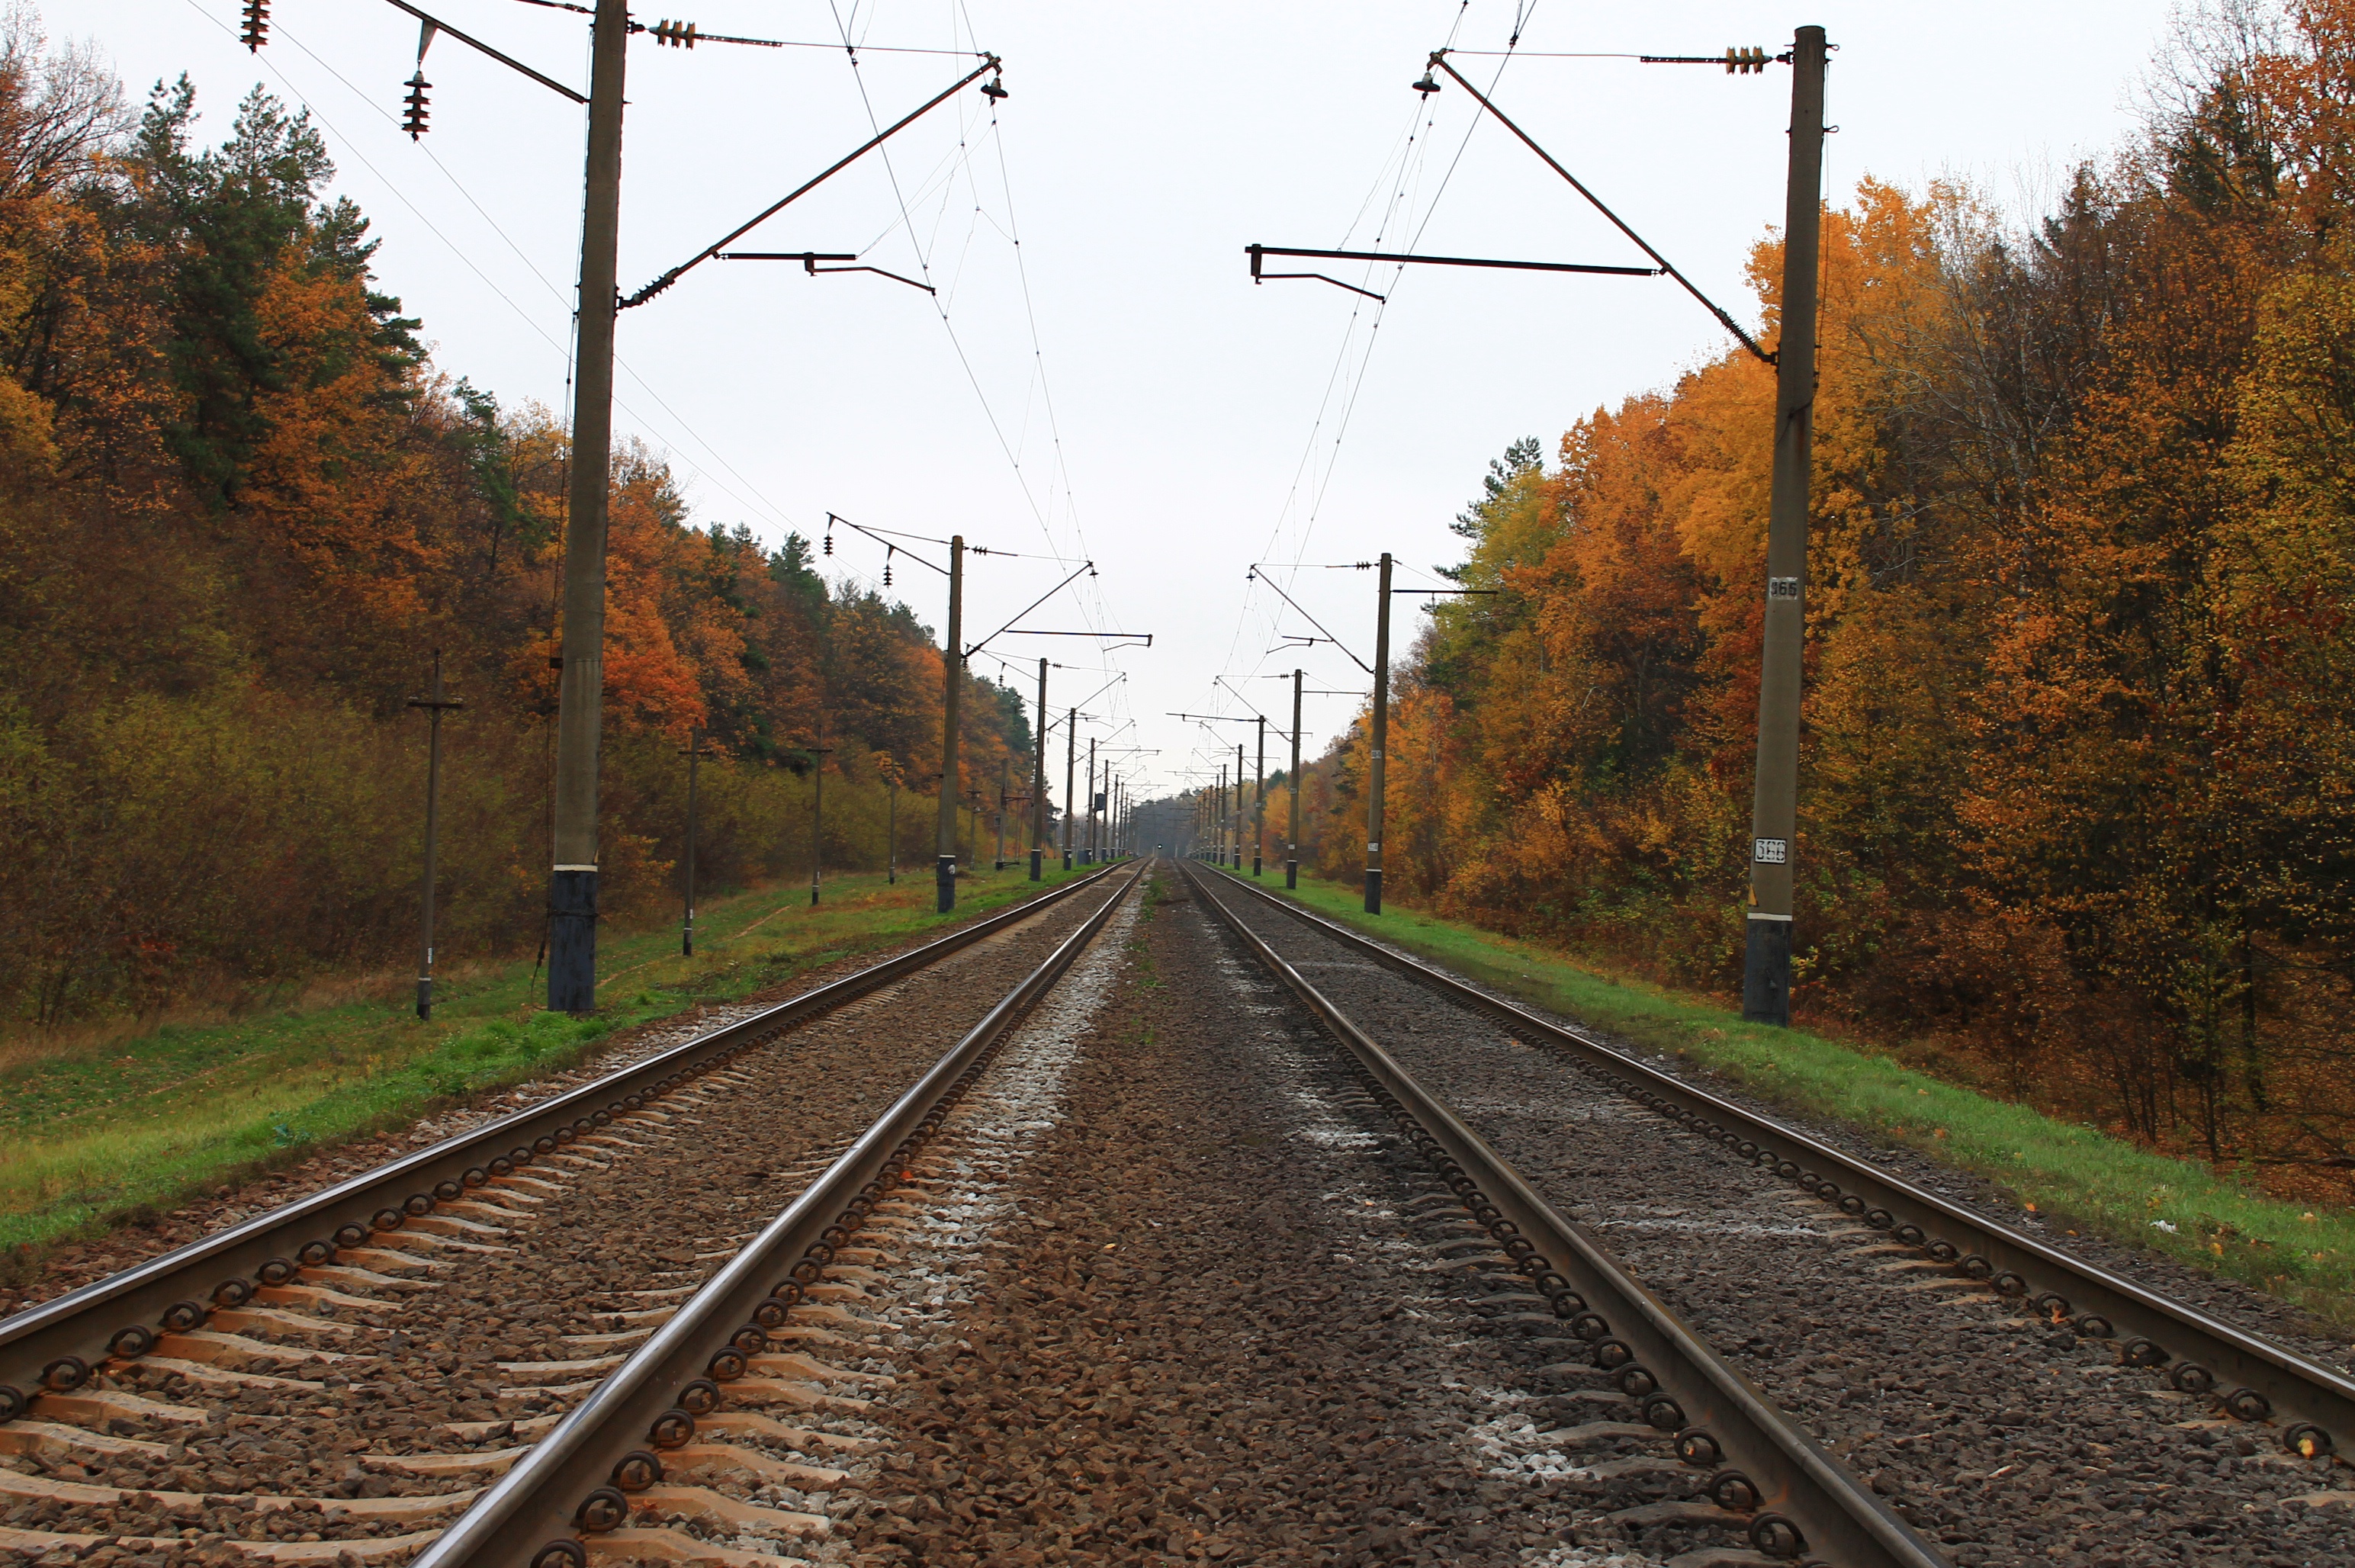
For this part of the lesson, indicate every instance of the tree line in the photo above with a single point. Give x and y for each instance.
(2079, 773)
(241, 509)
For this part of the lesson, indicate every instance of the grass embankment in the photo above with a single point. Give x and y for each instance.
(92, 1135)
(2073, 1176)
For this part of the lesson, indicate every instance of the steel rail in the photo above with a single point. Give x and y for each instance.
(573, 1480)
(54, 1347)
(2253, 1378)
(1685, 1389)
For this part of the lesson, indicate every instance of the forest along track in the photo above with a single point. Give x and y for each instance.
(352, 1398)
(1983, 1414)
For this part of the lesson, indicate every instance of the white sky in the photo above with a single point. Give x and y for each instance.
(1196, 422)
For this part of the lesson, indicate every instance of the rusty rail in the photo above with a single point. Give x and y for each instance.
(56, 1346)
(578, 1480)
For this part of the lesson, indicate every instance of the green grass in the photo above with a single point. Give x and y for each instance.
(90, 1136)
(2075, 1177)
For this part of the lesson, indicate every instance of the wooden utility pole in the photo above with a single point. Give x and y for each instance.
(1039, 786)
(572, 880)
(694, 754)
(1773, 811)
(441, 702)
(818, 816)
(944, 870)
(1381, 741)
(1292, 833)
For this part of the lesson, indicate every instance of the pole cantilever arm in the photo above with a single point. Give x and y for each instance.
(988, 64)
(1254, 574)
(1439, 58)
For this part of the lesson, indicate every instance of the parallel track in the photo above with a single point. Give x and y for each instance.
(234, 1299)
(1751, 1466)
(2252, 1379)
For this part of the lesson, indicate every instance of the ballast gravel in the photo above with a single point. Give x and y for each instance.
(2003, 1442)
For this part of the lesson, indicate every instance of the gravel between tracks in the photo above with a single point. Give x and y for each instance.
(469, 1341)
(2001, 1440)
(1167, 1301)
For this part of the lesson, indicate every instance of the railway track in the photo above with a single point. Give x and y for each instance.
(2014, 1402)
(343, 1378)
(1141, 1267)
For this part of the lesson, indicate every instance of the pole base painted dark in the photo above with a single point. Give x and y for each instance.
(1373, 893)
(1766, 972)
(1254, 865)
(1038, 867)
(424, 997)
(944, 874)
(573, 942)
(1067, 859)
(686, 941)
(1292, 873)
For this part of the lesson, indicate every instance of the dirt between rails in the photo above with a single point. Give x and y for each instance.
(2004, 1441)
(72, 1264)
(457, 1340)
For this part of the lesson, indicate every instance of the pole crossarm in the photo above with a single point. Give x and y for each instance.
(988, 64)
(1256, 251)
(810, 260)
(1439, 59)
(1253, 576)
(1083, 567)
(436, 25)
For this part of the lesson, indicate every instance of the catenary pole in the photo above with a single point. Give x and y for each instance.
(435, 706)
(1381, 742)
(1239, 807)
(944, 868)
(1291, 831)
(1259, 798)
(1039, 786)
(1774, 812)
(572, 879)
(1070, 766)
(1091, 856)
(1003, 764)
(891, 835)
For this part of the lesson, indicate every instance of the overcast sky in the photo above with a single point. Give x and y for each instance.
(1115, 389)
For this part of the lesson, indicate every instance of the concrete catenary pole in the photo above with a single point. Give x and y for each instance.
(1291, 831)
(695, 754)
(1773, 811)
(1259, 797)
(1003, 764)
(1381, 741)
(580, 688)
(1071, 769)
(1039, 786)
(1088, 845)
(944, 867)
